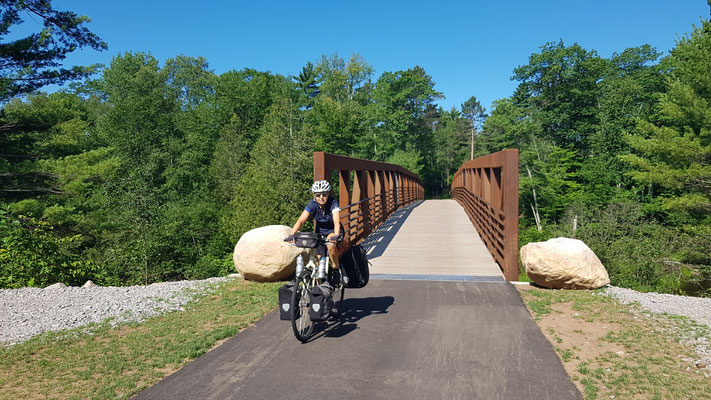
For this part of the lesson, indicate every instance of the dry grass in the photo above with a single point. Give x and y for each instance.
(614, 351)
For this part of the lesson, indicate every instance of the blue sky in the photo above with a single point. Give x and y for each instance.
(469, 48)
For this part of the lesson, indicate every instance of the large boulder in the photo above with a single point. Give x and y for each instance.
(262, 255)
(563, 263)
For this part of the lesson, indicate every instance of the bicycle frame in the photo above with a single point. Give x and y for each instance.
(303, 283)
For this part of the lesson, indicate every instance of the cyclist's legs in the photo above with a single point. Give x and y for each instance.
(331, 250)
(333, 255)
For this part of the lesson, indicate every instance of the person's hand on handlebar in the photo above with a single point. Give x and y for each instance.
(289, 239)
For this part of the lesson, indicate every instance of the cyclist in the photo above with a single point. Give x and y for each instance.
(323, 208)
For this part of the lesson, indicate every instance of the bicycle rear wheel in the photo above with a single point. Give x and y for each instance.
(300, 302)
(339, 290)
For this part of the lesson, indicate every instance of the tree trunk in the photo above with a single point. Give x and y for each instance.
(575, 225)
(472, 155)
(534, 205)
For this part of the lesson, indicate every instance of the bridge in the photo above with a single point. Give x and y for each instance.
(436, 232)
(438, 320)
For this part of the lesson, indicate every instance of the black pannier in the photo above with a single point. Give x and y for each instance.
(321, 302)
(354, 265)
(285, 300)
(308, 240)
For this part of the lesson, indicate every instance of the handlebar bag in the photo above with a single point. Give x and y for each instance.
(321, 302)
(354, 265)
(285, 301)
(308, 240)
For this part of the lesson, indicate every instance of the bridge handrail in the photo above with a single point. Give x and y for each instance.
(371, 195)
(487, 189)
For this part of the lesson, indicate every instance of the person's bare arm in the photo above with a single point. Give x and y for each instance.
(336, 223)
(303, 218)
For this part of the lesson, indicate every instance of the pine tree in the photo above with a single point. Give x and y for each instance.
(673, 156)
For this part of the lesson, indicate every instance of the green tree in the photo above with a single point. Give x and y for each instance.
(341, 80)
(139, 126)
(451, 137)
(276, 185)
(34, 61)
(242, 101)
(628, 92)
(673, 156)
(338, 117)
(475, 114)
(337, 126)
(307, 81)
(548, 173)
(44, 127)
(248, 94)
(31, 255)
(230, 159)
(401, 100)
(561, 83)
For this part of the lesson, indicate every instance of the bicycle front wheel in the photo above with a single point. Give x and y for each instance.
(300, 302)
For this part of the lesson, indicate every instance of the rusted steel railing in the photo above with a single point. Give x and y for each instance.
(368, 191)
(487, 188)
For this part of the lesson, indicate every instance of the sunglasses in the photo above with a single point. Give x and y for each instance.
(323, 194)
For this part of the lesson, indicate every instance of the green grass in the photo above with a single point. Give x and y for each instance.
(654, 358)
(523, 277)
(100, 362)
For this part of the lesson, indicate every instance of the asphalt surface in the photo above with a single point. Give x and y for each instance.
(396, 340)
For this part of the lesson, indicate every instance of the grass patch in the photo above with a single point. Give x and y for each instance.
(611, 349)
(100, 362)
(523, 277)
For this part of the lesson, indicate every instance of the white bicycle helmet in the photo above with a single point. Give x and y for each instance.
(321, 186)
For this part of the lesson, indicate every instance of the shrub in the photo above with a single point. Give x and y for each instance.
(31, 254)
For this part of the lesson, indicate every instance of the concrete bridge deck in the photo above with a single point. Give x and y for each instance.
(431, 237)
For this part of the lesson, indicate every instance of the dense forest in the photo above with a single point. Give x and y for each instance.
(142, 171)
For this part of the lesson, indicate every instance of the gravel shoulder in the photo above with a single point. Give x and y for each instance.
(696, 308)
(27, 312)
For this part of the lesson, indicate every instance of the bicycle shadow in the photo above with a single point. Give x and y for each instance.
(353, 311)
(376, 243)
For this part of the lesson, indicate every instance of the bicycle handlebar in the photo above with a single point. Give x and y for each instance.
(320, 239)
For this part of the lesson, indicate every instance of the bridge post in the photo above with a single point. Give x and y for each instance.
(380, 196)
(372, 205)
(510, 206)
(359, 207)
(321, 172)
(487, 189)
(344, 197)
(375, 191)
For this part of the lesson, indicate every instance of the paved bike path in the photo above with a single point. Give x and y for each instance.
(397, 340)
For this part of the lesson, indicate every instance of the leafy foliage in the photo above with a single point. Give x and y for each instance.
(616, 152)
(673, 156)
(276, 185)
(153, 171)
(34, 61)
(31, 255)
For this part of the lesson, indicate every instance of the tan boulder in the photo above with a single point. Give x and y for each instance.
(563, 263)
(262, 255)
(58, 285)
